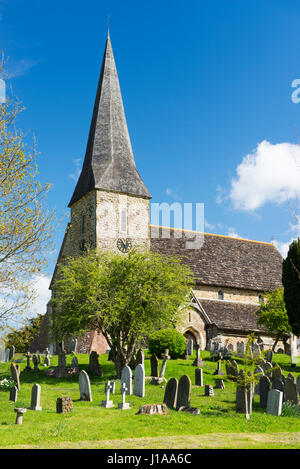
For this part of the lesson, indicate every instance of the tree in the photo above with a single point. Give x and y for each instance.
(25, 222)
(291, 284)
(272, 314)
(124, 297)
(22, 338)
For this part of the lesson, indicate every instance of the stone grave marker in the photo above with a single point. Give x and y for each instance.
(219, 371)
(64, 405)
(276, 372)
(190, 410)
(154, 366)
(208, 390)
(278, 384)
(264, 388)
(112, 387)
(170, 397)
(28, 367)
(20, 412)
(258, 373)
(94, 364)
(291, 392)
(198, 361)
(269, 356)
(126, 377)
(139, 381)
(199, 377)
(47, 358)
(108, 404)
(36, 397)
(140, 358)
(84, 386)
(165, 358)
(274, 404)
(124, 390)
(184, 392)
(35, 363)
(74, 362)
(219, 384)
(15, 375)
(13, 394)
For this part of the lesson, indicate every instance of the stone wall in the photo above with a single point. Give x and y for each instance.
(230, 294)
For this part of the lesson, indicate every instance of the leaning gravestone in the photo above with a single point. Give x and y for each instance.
(126, 377)
(15, 375)
(264, 388)
(290, 391)
(35, 397)
(170, 397)
(139, 381)
(154, 366)
(199, 377)
(274, 404)
(184, 392)
(85, 387)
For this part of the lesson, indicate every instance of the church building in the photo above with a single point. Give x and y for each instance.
(110, 210)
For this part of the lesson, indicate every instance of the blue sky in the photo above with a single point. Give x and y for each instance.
(204, 84)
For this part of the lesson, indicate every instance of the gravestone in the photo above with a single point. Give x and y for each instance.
(84, 386)
(240, 348)
(15, 375)
(154, 366)
(269, 356)
(94, 364)
(208, 390)
(219, 384)
(184, 392)
(28, 367)
(278, 384)
(112, 387)
(35, 363)
(170, 397)
(199, 377)
(290, 391)
(60, 371)
(74, 363)
(139, 381)
(298, 383)
(126, 377)
(20, 412)
(165, 358)
(124, 390)
(13, 394)
(108, 404)
(47, 358)
(35, 397)
(256, 350)
(219, 371)
(264, 388)
(64, 405)
(276, 372)
(232, 369)
(2, 350)
(274, 404)
(198, 361)
(11, 352)
(140, 358)
(73, 346)
(292, 377)
(258, 373)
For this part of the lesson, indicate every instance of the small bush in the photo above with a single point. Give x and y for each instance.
(290, 410)
(167, 339)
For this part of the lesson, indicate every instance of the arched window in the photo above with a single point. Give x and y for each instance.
(220, 295)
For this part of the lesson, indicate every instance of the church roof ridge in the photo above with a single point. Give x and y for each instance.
(213, 234)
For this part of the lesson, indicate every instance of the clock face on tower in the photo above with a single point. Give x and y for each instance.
(124, 245)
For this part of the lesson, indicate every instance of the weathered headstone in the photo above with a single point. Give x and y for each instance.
(47, 358)
(11, 352)
(258, 373)
(108, 404)
(140, 358)
(35, 363)
(184, 392)
(60, 371)
(290, 391)
(219, 384)
(240, 348)
(269, 356)
(219, 371)
(28, 367)
(278, 384)
(15, 375)
(198, 361)
(112, 387)
(208, 390)
(199, 377)
(165, 358)
(276, 372)
(274, 404)
(35, 397)
(20, 412)
(298, 384)
(13, 394)
(64, 405)
(94, 364)
(124, 405)
(126, 377)
(154, 366)
(170, 397)
(74, 362)
(84, 386)
(139, 381)
(256, 350)
(264, 388)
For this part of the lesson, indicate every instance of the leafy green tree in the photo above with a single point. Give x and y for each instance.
(25, 223)
(125, 297)
(291, 284)
(22, 338)
(272, 314)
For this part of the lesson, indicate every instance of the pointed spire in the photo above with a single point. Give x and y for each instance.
(109, 162)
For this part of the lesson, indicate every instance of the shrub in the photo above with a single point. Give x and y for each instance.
(167, 339)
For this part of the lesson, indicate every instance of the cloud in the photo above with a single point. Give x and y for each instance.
(75, 175)
(173, 193)
(270, 174)
(19, 68)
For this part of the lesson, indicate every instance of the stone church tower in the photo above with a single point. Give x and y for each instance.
(110, 203)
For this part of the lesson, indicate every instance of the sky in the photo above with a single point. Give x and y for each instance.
(210, 96)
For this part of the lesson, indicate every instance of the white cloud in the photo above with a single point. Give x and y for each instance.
(41, 286)
(16, 69)
(75, 175)
(270, 174)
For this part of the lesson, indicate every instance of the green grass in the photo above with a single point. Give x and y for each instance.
(88, 422)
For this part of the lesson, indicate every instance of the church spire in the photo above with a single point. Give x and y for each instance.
(109, 162)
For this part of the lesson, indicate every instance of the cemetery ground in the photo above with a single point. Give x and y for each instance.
(89, 425)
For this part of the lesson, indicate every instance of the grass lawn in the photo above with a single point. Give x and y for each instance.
(92, 426)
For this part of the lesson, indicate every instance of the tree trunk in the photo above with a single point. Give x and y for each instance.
(275, 342)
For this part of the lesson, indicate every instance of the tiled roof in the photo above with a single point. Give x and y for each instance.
(232, 315)
(226, 261)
